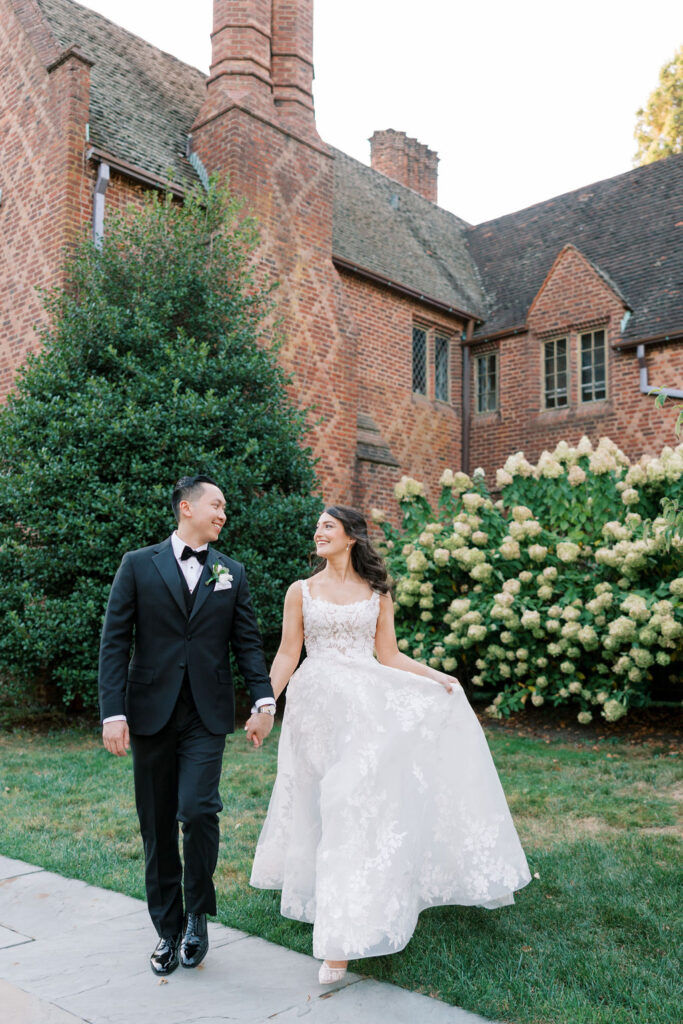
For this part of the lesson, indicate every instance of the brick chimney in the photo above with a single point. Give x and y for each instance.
(262, 61)
(405, 160)
(292, 64)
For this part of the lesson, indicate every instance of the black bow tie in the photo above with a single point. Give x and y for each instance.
(188, 552)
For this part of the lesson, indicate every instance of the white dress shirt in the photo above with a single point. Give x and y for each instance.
(191, 569)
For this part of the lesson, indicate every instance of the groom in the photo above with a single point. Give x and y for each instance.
(177, 607)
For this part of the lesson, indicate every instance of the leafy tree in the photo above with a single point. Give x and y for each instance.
(659, 128)
(151, 367)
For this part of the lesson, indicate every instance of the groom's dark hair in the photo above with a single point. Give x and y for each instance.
(187, 489)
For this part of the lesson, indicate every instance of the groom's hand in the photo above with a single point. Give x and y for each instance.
(116, 738)
(258, 727)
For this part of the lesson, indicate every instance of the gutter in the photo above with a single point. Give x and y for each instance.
(133, 172)
(466, 398)
(101, 185)
(411, 293)
(645, 388)
(655, 339)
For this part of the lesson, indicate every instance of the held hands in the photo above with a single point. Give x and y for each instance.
(258, 727)
(116, 738)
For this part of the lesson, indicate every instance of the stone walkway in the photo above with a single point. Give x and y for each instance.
(71, 953)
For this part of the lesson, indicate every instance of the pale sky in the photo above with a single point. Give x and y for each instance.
(521, 100)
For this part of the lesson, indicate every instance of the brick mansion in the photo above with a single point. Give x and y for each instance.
(424, 342)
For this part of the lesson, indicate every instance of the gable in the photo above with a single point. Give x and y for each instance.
(574, 294)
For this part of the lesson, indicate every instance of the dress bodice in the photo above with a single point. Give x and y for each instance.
(347, 629)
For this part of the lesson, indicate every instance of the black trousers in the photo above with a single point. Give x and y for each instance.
(176, 773)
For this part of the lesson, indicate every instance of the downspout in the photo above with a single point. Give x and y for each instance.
(645, 387)
(466, 397)
(103, 175)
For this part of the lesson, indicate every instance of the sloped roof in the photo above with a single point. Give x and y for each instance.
(390, 230)
(630, 227)
(142, 101)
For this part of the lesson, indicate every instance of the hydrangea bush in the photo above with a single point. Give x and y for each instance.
(566, 590)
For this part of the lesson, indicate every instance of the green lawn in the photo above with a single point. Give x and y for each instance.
(593, 940)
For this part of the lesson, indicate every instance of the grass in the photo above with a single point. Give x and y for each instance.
(593, 940)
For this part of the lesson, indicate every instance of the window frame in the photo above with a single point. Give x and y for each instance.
(581, 335)
(566, 338)
(478, 359)
(424, 331)
(446, 349)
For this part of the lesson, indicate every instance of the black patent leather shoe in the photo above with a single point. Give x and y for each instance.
(164, 959)
(195, 944)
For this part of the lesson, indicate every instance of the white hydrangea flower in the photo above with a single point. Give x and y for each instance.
(567, 551)
(426, 539)
(509, 549)
(531, 619)
(503, 478)
(584, 717)
(511, 586)
(461, 482)
(548, 466)
(426, 616)
(537, 699)
(403, 644)
(482, 572)
(613, 710)
(575, 686)
(449, 664)
(576, 476)
(504, 670)
(378, 516)
(525, 576)
(441, 556)
(520, 513)
(446, 478)
(550, 572)
(630, 496)
(532, 528)
(460, 605)
(472, 500)
(545, 593)
(567, 667)
(584, 447)
(676, 587)
(416, 562)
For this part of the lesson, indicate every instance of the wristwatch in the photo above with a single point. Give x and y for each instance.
(265, 709)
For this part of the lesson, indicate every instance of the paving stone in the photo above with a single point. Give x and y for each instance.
(10, 868)
(90, 963)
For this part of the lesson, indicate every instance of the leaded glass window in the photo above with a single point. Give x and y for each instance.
(555, 373)
(593, 367)
(441, 346)
(487, 382)
(419, 361)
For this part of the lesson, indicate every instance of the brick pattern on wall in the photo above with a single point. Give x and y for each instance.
(44, 191)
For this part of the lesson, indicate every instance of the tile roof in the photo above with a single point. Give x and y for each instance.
(393, 232)
(142, 101)
(630, 227)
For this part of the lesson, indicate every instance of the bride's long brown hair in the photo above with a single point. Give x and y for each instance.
(365, 558)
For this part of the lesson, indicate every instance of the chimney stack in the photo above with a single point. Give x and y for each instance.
(405, 160)
(292, 64)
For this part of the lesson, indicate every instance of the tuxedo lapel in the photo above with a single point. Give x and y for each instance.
(165, 563)
(204, 587)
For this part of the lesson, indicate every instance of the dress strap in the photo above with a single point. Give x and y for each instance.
(304, 588)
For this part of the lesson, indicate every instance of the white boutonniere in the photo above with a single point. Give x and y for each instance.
(221, 576)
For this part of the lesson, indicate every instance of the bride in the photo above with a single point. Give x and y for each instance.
(386, 799)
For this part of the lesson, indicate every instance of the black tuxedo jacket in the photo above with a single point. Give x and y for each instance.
(147, 611)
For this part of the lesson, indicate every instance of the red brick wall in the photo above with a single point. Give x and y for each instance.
(44, 191)
(423, 434)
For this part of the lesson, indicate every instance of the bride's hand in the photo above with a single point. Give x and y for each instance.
(448, 682)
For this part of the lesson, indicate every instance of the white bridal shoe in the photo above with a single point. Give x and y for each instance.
(328, 975)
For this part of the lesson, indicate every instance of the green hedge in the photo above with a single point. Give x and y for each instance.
(566, 590)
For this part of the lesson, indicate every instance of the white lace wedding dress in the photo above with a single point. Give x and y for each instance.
(386, 800)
